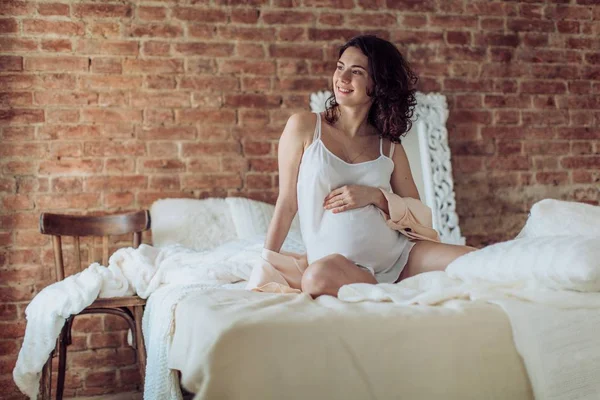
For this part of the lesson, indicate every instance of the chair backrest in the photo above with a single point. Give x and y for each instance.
(104, 226)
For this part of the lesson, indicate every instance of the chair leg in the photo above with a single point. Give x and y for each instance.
(62, 358)
(46, 381)
(138, 312)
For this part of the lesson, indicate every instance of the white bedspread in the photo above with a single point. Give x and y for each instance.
(248, 345)
(556, 332)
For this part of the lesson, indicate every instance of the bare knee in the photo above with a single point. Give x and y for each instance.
(317, 279)
(314, 279)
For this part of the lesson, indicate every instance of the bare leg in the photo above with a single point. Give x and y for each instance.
(428, 256)
(328, 274)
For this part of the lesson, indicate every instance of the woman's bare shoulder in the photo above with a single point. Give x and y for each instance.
(303, 120)
(301, 126)
(399, 155)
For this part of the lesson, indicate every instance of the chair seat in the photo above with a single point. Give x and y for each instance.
(127, 301)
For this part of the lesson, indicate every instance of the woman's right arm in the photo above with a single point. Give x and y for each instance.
(291, 148)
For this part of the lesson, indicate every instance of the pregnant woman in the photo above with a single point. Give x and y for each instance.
(331, 166)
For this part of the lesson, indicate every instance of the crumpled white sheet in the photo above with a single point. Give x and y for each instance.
(130, 271)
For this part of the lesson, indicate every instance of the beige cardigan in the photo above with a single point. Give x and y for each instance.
(282, 272)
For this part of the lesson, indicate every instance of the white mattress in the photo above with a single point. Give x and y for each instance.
(231, 344)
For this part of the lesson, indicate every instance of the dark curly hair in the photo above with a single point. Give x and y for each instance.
(393, 90)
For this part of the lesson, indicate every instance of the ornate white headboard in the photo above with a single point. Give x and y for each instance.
(426, 145)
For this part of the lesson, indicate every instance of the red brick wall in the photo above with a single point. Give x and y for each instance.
(107, 106)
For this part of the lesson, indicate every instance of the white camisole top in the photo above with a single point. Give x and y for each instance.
(361, 234)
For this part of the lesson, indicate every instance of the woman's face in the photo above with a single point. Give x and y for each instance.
(351, 80)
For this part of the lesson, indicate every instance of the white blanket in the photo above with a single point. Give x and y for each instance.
(46, 315)
(131, 271)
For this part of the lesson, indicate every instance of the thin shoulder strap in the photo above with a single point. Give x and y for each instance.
(380, 146)
(317, 134)
(392, 149)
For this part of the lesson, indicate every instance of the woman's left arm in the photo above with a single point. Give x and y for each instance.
(402, 181)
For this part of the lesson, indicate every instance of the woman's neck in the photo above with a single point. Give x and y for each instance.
(353, 121)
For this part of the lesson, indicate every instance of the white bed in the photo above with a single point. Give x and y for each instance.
(462, 350)
(503, 322)
(222, 342)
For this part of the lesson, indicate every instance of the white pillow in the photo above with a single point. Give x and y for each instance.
(551, 217)
(195, 224)
(208, 223)
(252, 218)
(555, 262)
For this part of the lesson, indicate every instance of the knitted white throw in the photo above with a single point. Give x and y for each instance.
(158, 325)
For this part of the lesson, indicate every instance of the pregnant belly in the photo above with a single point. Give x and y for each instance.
(360, 235)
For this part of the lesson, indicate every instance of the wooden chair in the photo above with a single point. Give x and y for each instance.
(130, 308)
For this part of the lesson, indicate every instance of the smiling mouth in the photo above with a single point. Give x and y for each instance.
(345, 91)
